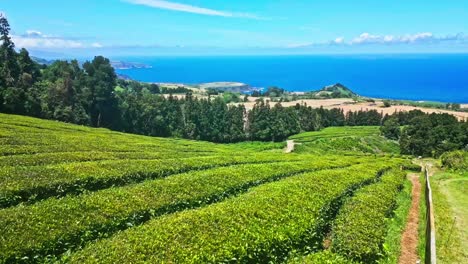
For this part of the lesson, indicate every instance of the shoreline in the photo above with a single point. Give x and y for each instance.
(463, 104)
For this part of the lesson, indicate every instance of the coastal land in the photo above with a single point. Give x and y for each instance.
(329, 97)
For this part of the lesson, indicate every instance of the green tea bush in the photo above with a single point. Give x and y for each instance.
(261, 226)
(29, 184)
(361, 226)
(57, 225)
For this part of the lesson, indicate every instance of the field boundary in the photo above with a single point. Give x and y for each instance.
(431, 256)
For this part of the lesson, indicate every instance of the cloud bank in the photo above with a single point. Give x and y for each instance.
(161, 4)
(37, 39)
(408, 39)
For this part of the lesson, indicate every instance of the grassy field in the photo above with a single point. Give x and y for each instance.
(450, 191)
(351, 140)
(73, 194)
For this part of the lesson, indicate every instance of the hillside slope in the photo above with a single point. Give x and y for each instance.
(350, 140)
(334, 91)
(80, 195)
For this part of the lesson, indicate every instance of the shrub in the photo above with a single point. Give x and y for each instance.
(261, 226)
(455, 160)
(361, 226)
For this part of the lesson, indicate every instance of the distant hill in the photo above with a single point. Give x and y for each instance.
(119, 65)
(42, 61)
(123, 65)
(334, 91)
(235, 87)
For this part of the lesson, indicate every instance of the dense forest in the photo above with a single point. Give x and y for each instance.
(91, 94)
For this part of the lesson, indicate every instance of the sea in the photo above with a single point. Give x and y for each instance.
(420, 77)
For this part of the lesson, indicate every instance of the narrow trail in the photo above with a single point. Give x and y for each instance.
(290, 146)
(409, 239)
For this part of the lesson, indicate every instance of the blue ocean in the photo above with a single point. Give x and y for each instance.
(416, 77)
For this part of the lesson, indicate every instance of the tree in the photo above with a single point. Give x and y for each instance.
(62, 97)
(154, 88)
(9, 70)
(99, 89)
(28, 68)
(387, 103)
(391, 129)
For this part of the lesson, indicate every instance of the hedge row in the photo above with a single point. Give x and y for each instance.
(360, 229)
(261, 226)
(322, 257)
(22, 135)
(57, 225)
(42, 159)
(30, 184)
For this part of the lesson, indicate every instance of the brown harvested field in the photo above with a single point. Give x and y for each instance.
(310, 102)
(349, 105)
(398, 108)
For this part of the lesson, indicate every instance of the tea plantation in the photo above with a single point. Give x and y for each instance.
(73, 194)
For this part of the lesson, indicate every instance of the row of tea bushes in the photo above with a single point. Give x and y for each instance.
(361, 227)
(263, 225)
(57, 225)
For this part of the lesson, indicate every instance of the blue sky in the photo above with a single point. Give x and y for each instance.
(196, 27)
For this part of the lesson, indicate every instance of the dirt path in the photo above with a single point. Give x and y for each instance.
(289, 146)
(409, 240)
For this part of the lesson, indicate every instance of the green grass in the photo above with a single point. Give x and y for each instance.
(396, 225)
(450, 196)
(78, 194)
(345, 140)
(422, 220)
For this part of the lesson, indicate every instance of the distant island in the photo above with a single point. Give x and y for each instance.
(118, 65)
(124, 65)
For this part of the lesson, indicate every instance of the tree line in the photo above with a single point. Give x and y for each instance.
(427, 135)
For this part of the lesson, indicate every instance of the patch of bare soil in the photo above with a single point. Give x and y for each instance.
(409, 240)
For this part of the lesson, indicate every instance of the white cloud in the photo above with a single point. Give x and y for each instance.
(97, 45)
(35, 42)
(408, 39)
(423, 37)
(34, 33)
(162, 4)
(339, 40)
(366, 38)
(37, 39)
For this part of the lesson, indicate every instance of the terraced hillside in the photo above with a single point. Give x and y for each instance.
(346, 140)
(73, 194)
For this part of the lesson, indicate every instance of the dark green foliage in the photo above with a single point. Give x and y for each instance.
(333, 91)
(100, 81)
(432, 135)
(9, 68)
(457, 160)
(404, 118)
(391, 129)
(274, 92)
(178, 90)
(30, 72)
(364, 118)
(62, 97)
(412, 167)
